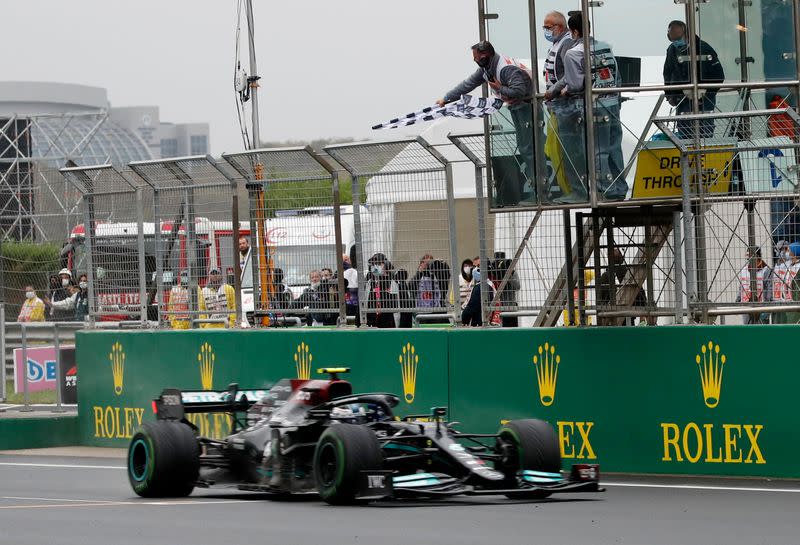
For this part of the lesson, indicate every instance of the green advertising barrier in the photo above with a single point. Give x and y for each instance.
(121, 372)
(43, 432)
(671, 400)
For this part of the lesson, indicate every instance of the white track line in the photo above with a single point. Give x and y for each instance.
(54, 499)
(704, 487)
(64, 466)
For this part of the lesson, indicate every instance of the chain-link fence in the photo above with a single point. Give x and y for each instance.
(108, 251)
(293, 271)
(195, 242)
(404, 232)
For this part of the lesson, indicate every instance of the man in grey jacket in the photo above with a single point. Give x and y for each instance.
(511, 81)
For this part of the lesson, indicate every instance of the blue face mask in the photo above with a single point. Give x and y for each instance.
(549, 35)
(680, 42)
(476, 274)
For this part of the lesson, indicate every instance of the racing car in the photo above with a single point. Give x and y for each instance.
(306, 436)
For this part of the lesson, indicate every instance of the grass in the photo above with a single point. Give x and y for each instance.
(48, 396)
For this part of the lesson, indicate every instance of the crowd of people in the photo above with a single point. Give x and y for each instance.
(65, 300)
(760, 283)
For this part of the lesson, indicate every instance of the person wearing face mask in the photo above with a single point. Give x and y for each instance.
(608, 157)
(77, 304)
(471, 313)
(792, 281)
(781, 285)
(555, 32)
(351, 285)
(382, 293)
(509, 80)
(465, 282)
(32, 309)
(676, 72)
(217, 298)
(61, 293)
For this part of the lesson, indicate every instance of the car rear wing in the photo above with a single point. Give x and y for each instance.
(174, 404)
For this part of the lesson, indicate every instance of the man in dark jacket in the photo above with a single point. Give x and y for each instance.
(382, 292)
(509, 80)
(676, 72)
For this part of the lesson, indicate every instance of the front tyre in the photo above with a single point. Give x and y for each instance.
(528, 444)
(342, 453)
(163, 460)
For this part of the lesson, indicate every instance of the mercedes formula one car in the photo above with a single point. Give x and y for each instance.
(305, 436)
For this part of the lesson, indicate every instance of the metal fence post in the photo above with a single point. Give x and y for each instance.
(159, 284)
(455, 266)
(3, 392)
(25, 395)
(677, 266)
(361, 259)
(141, 250)
(57, 347)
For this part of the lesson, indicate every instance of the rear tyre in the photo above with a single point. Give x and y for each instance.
(342, 453)
(163, 460)
(528, 444)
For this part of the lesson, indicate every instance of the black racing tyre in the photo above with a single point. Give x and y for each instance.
(528, 444)
(163, 460)
(343, 451)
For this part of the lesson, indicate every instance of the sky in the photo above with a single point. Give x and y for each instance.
(329, 68)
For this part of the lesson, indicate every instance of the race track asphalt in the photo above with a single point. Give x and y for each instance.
(87, 501)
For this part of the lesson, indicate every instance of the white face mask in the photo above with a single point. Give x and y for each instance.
(467, 270)
(377, 269)
(65, 282)
(30, 294)
(83, 285)
(314, 285)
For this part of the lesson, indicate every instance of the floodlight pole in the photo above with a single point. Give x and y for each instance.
(252, 81)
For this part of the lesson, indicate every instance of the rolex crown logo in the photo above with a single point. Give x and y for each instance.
(117, 359)
(302, 361)
(710, 363)
(546, 362)
(409, 360)
(206, 359)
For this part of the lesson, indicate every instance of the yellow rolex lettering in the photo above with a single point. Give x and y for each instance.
(139, 414)
(118, 424)
(672, 434)
(752, 435)
(730, 443)
(698, 439)
(99, 428)
(584, 428)
(710, 446)
(108, 420)
(129, 415)
(565, 431)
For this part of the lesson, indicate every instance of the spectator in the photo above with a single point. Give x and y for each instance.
(676, 71)
(781, 290)
(244, 252)
(327, 274)
(476, 261)
(77, 304)
(178, 305)
(33, 307)
(351, 286)
(465, 282)
(570, 113)
(312, 300)
(281, 297)
(329, 293)
(382, 292)
(471, 314)
(426, 286)
(756, 269)
(218, 300)
(61, 292)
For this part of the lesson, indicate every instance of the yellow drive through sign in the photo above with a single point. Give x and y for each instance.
(658, 172)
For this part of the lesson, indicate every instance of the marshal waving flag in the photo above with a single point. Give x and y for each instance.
(467, 107)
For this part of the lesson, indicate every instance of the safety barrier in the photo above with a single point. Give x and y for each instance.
(670, 400)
